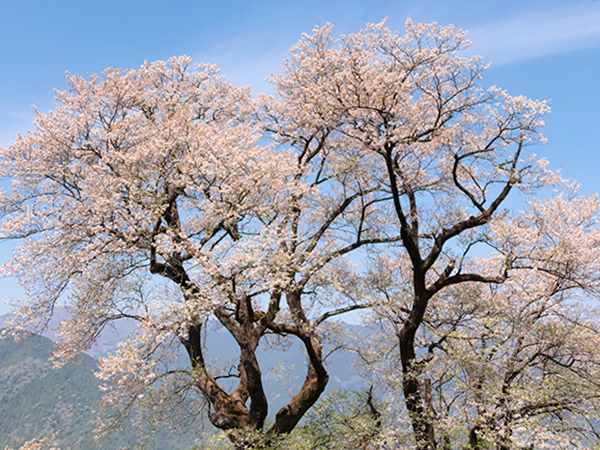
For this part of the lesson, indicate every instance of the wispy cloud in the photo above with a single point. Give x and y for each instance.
(538, 33)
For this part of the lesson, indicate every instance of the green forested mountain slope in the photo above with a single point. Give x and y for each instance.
(36, 400)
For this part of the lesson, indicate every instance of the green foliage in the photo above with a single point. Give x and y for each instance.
(342, 420)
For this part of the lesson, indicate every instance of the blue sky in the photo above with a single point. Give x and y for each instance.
(544, 49)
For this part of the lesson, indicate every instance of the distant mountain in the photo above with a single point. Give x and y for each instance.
(279, 384)
(36, 400)
(108, 342)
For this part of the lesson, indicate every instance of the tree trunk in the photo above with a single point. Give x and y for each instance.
(419, 415)
(314, 384)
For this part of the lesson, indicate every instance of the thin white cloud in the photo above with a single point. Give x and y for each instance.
(538, 33)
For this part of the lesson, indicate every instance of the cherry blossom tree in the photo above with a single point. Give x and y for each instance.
(157, 173)
(138, 172)
(448, 152)
(513, 365)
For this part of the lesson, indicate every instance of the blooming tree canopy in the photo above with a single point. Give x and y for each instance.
(448, 152)
(168, 196)
(159, 172)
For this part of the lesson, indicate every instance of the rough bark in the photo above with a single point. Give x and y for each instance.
(316, 377)
(411, 384)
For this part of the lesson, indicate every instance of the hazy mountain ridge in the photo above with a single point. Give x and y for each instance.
(108, 342)
(36, 400)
